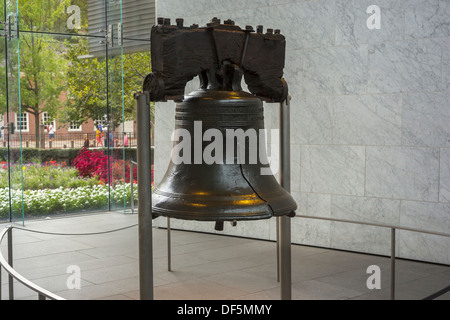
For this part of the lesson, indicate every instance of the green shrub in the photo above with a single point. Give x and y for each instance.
(59, 155)
(49, 175)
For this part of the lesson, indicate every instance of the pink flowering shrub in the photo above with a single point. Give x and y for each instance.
(95, 164)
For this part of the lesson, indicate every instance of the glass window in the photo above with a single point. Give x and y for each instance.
(103, 122)
(22, 122)
(74, 126)
(68, 65)
(46, 119)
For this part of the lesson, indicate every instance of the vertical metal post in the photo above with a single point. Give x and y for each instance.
(392, 263)
(145, 196)
(132, 186)
(169, 244)
(285, 221)
(10, 262)
(278, 247)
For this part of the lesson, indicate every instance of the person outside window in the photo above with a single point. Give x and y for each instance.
(98, 136)
(111, 139)
(86, 141)
(51, 132)
(125, 139)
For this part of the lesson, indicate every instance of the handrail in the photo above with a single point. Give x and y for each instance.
(393, 228)
(376, 225)
(42, 293)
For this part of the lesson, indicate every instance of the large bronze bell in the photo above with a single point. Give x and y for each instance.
(227, 190)
(219, 169)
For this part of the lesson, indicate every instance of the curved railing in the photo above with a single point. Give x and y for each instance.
(43, 294)
(7, 264)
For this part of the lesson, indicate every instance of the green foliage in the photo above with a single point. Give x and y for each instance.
(37, 176)
(67, 155)
(53, 76)
(86, 83)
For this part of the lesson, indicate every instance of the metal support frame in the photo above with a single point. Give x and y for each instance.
(10, 262)
(169, 245)
(145, 196)
(132, 164)
(392, 263)
(11, 30)
(284, 222)
(109, 36)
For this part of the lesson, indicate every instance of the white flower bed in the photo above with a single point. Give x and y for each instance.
(62, 200)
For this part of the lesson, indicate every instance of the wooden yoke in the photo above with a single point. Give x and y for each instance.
(219, 54)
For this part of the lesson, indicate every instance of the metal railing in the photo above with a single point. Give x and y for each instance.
(43, 294)
(393, 245)
(66, 140)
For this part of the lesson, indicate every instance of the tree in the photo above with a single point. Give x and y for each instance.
(41, 59)
(43, 75)
(88, 79)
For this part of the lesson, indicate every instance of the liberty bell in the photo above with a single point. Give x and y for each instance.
(219, 169)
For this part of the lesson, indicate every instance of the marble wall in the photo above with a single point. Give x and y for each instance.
(370, 119)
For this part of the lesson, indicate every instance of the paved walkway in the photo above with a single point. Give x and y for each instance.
(204, 266)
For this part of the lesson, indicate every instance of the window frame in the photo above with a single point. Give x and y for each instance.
(19, 124)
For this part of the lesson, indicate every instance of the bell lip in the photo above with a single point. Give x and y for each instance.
(267, 212)
(220, 94)
(200, 216)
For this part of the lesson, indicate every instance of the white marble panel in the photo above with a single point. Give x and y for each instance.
(311, 119)
(313, 20)
(427, 216)
(293, 72)
(444, 176)
(164, 120)
(164, 126)
(368, 119)
(370, 239)
(402, 173)
(427, 18)
(295, 167)
(332, 169)
(405, 66)
(361, 237)
(182, 8)
(311, 231)
(162, 159)
(426, 119)
(334, 70)
(352, 16)
(425, 247)
(371, 210)
(445, 42)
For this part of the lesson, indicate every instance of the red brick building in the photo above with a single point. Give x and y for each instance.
(67, 135)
